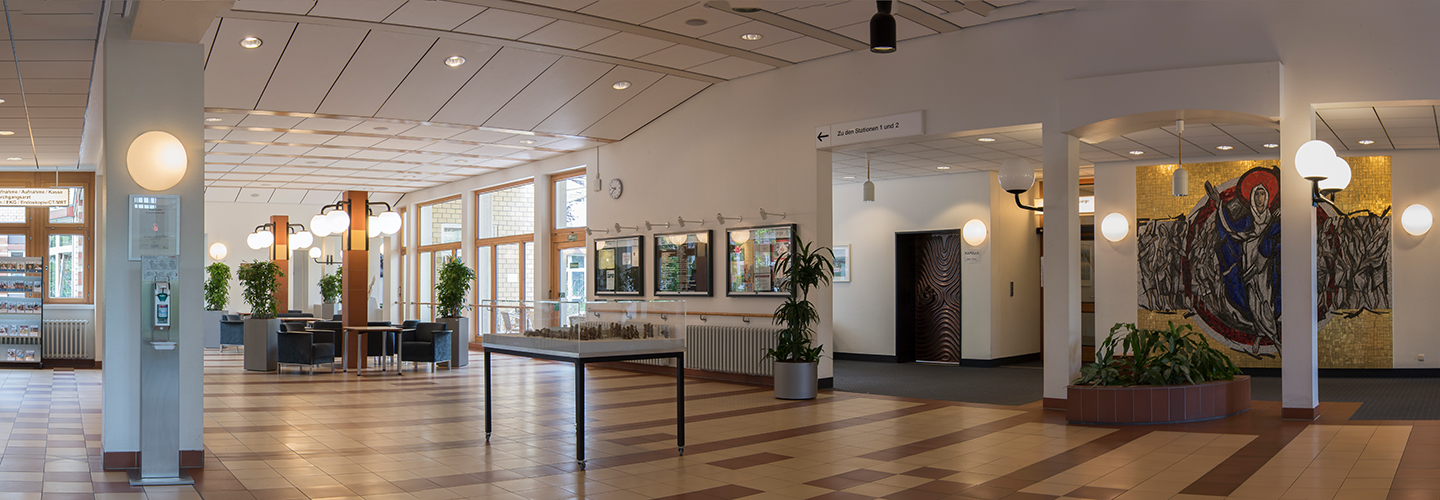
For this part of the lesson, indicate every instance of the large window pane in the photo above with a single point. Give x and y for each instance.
(484, 281)
(12, 215)
(507, 287)
(67, 266)
(74, 213)
(506, 212)
(440, 223)
(424, 297)
(570, 202)
(12, 245)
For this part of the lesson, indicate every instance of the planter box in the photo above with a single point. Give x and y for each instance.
(796, 380)
(212, 329)
(459, 340)
(261, 346)
(1146, 404)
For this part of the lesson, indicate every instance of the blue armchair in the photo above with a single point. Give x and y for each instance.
(429, 343)
(306, 348)
(232, 331)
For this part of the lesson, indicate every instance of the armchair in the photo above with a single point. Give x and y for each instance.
(429, 343)
(232, 331)
(306, 348)
(378, 345)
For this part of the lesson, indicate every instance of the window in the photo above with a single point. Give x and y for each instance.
(74, 213)
(62, 235)
(570, 202)
(505, 212)
(505, 257)
(67, 266)
(440, 222)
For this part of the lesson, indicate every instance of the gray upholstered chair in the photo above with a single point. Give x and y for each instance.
(374, 345)
(306, 348)
(232, 331)
(429, 343)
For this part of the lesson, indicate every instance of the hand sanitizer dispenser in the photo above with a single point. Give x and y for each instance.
(162, 305)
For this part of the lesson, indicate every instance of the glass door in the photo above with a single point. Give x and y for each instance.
(570, 279)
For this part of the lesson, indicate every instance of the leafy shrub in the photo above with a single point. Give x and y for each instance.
(1173, 356)
(330, 287)
(217, 286)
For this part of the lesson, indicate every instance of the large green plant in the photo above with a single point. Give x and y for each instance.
(1172, 356)
(217, 286)
(451, 286)
(330, 286)
(802, 269)
(259, 281)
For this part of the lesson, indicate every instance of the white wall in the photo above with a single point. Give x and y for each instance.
(230, 222)
(1413, 268)
(1116, 273)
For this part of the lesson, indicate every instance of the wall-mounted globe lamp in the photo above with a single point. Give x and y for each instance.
(1017, 176)
(156, 160)
(1115, 227)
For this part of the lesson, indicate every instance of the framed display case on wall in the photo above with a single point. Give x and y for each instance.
(619, 266)
(750, 258)
(682, 264)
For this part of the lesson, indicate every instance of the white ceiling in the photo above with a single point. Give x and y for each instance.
(56, 45)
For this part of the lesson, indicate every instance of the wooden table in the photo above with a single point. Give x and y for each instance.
(359, 338)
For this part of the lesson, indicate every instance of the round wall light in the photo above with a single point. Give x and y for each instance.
(252, 240)
(1416, 220)
(372, 226)
(337, 221)
(302, 239)
(314, 252)
(1016, 176)
(320, 226)
(974, 232)
(1115, 227)
(1312, 160)
(389, 222)
(156, 160)
(218, 251)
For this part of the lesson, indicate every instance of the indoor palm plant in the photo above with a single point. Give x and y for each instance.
(259, 281)
(330, 286)
(217, 296)
(796, 356)
(451, 287)
(1172, 356)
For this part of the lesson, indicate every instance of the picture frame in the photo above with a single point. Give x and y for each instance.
(619, 268)
(750, 257)
(683, 264)
(154, 225)
(842, 263)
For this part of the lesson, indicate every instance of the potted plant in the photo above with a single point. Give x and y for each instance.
(797, 358)
(451, 287)
(1156, 376)
(329, 293)
(259, 281)
(217, 296)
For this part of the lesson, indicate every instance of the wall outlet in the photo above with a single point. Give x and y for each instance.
(1420, 357)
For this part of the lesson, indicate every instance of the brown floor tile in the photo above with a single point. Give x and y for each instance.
(1095, 493)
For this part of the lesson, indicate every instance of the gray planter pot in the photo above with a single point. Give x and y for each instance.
(796, 380)
(459, 340)
(212, 329)
(327, 311)
(260, 344)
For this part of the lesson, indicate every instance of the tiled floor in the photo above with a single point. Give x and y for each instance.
(421, 436)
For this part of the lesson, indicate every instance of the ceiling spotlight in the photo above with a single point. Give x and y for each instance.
(454, 61)
(848, 177)
(14, 158)
(751, 36)
(381, 128)
(621, 85)
(1271, 145)
(212, 119)
(2, 101)
(1137, 152)
(1367, 142)
(1224, 148)
(6, 132)
(532, 141)
(250, 42)
(696, 22)
(986, 139)
(882, 29)
(942, 167)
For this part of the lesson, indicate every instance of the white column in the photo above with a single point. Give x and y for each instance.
(1299, 371)
(823, 297)
(1061, 268)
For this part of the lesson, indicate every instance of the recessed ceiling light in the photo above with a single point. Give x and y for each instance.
(1271, 145)
(1137, 152)
(1224, 147)
(312, 162)
(527, 141)
(14, 158)
(848, 177)
(381, 128)
(621, 85)
(460, 161)
(2, 101)
(212, 119)
(454, 61)
(696, 22)
(942, 167)
(1367, 142)
(751, 36)
(986, 139)
(6, 132)
(250, 42)
(254, 195)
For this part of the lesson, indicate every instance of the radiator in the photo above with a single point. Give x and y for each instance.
(726, 349)
(67, 339)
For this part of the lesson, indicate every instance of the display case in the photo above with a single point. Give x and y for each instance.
(604, 328)
(619, 265)
(22, 285)
(682, 263)
(751, 256)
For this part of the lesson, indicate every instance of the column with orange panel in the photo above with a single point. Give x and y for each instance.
(355, 277)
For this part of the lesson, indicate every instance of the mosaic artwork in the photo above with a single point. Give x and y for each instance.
(1212, 260)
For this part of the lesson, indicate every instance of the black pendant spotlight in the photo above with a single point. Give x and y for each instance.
(882, 29)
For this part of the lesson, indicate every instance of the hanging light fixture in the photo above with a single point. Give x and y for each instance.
(882, 29)
(1017, 176)
(869, 196)
(1180, 179)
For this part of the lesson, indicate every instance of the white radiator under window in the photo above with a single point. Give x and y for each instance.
(67, 339)
(726, 349)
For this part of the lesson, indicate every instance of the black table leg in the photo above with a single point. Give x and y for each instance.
(680, 402)
(487, 395)
(580, 413)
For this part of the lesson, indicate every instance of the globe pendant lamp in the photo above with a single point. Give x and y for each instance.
(882, 29)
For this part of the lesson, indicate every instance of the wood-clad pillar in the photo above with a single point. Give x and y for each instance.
(280, 255)
(355, 276)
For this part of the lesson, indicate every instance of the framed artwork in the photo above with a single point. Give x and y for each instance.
(751, 255)
(842, 263)
(154, 225)
(682, 264)
(619, 266)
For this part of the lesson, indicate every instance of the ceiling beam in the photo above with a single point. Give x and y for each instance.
(787, 23)
(923, 18)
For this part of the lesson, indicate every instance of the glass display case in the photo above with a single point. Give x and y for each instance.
(593, 328)
(619, 265)
(21, 308)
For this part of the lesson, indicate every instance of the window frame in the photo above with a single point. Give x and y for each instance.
(42, 229)
(494, 243)
(422, 250)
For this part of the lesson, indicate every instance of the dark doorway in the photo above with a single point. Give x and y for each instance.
(927, 296)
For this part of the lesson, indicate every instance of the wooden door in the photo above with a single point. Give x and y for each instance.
(928, 296)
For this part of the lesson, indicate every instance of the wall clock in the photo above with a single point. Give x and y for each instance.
(616, 188)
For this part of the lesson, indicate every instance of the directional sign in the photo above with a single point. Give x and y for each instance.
(872, 129)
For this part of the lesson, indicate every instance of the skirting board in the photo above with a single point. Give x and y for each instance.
(1299, 413)
(1354, 372)
(874, 358)
(978, 363)
(123, 460)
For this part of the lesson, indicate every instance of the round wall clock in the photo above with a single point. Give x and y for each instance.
(616, 188)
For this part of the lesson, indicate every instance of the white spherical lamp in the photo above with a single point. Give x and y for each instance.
(337, 221)
(252, 240)
(372, 226)
(390, 222)
(1115, 227)
(218, 251)
(156, 160)
(320, 225)
(301, 240)
(314, 252)
(1312, 160)
(1017, 175)
(265, 238)
(1337, 175)
(1416, 220)
(974, 232)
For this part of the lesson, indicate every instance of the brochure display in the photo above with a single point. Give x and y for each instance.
(751, 255)
(619, 266)
(22, 288)
(682, 264)
(595, 332)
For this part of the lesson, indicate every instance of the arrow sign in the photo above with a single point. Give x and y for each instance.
(821, 136)
(872, 129)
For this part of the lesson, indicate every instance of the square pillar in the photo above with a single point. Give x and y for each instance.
(1061, 264)
(280, 254)
(355, 276)
(1299, 355)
